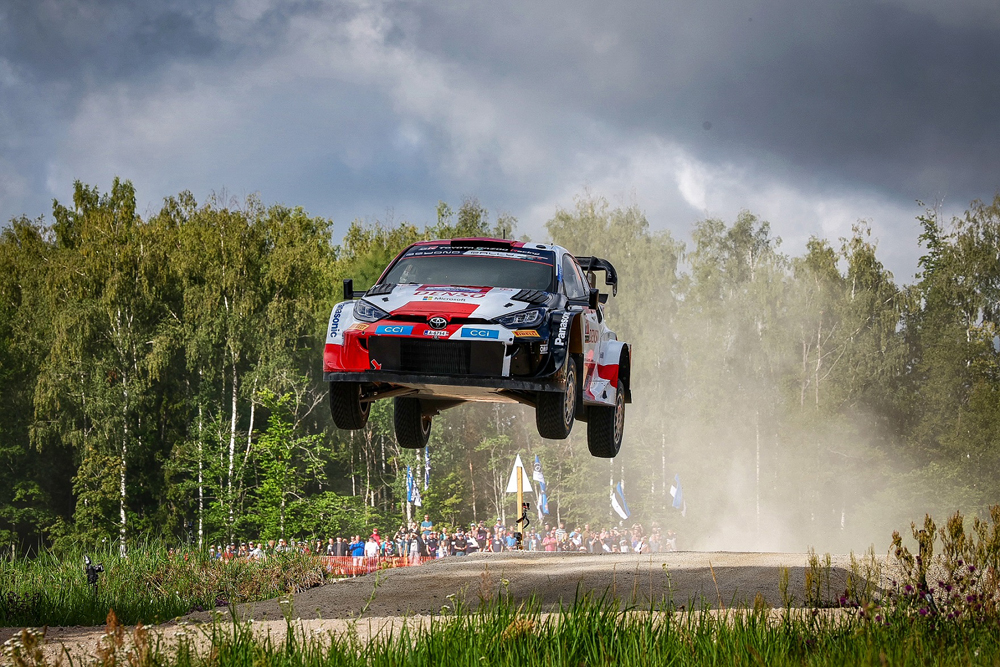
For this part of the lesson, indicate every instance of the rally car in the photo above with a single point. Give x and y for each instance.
(479, 319)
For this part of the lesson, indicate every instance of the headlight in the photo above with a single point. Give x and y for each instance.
(366, 312)
(522, 319)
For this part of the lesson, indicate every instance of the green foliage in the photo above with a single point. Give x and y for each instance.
(161, 377)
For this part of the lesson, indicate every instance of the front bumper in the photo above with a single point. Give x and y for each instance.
(556, 382)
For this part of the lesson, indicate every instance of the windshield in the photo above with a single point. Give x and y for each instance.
(519, 268)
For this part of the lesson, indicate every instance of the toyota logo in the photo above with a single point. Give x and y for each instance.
(437, 322)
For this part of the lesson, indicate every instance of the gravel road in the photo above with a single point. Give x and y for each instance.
(379, 600)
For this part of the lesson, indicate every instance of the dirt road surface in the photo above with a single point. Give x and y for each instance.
(380, 602)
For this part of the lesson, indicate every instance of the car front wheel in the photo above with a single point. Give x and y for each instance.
(555, 412)
(349, 413)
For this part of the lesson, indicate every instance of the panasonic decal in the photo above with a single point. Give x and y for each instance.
(335, 320)
(563, 327)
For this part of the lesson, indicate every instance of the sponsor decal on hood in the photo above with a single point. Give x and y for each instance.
(484, 303)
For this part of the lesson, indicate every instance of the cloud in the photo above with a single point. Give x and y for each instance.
(811, 117)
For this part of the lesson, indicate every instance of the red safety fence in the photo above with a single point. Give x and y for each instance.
(354, 566)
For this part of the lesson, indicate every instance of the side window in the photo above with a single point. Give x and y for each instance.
(572, 281)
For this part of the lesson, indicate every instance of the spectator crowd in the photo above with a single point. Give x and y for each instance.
(422, 540)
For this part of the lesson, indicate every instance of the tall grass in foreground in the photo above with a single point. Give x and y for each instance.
(589, 632)
(146, 587)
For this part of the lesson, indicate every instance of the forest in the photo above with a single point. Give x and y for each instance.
(160, 380)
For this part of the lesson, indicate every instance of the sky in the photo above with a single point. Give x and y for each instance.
(812, 115)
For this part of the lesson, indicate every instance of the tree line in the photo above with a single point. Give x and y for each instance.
(161, 377)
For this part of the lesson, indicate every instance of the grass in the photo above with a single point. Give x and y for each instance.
(146, 587)
(591, 631)
(942, 609)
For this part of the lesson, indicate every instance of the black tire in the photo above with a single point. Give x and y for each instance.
(413, 428)
(605, 425)
(555, 412)
(349, 413)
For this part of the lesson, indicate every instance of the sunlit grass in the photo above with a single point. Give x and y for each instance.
(145, 587)
(591, 631)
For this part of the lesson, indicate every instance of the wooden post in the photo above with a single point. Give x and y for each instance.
(520, 504)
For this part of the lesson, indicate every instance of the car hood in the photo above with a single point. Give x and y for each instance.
(484, 303)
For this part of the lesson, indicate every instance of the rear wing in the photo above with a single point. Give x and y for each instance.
(591, 264)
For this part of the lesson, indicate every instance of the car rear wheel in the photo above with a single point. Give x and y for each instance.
(413, 428)
(349, 413)
(555, 412)
(605, 425)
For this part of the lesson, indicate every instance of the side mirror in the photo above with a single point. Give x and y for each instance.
(595, 296)
(348, 289)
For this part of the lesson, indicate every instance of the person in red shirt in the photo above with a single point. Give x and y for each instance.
(549, 542)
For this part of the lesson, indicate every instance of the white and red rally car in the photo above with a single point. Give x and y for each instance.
(481, 320)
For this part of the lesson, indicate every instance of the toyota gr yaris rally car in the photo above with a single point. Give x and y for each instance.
(481, 320)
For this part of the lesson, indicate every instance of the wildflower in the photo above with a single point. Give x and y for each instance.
(923, 611)
(972, 568)
(909, 588)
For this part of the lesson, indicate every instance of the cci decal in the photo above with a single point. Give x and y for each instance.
(393, 330)
(335, 320)
(527, 333)
(563, 327)
(469, 332)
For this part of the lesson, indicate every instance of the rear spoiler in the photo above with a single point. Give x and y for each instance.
(591, 264)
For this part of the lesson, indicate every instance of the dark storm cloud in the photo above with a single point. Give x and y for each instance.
(352, 108)
(102, 41)
(864, 93)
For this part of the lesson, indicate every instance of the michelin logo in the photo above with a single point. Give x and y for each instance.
(560, 340)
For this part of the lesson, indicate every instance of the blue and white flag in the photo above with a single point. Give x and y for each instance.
(409, 485)
(618, 502)
(417, 500)
(427, 466)
(543, 498)
(677, 493)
